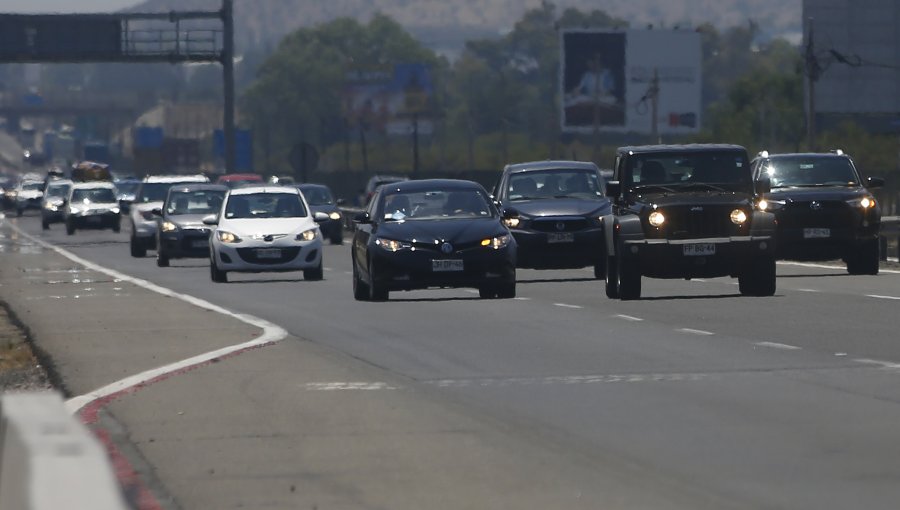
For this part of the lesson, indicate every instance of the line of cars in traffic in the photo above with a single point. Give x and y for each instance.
(667, 211)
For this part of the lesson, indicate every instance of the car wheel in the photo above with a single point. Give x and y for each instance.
(506, 290)
(600, 269)
(162, 260)
(759, 279)
(216, 274)
(315, 274)
(377, 291)
(18, 212)
(138, 249)
(865, 260)
(612, 278)
(117, 226)
(337, 237)
(629, 277)
(70, 227)
(360, 289)
(487, 292)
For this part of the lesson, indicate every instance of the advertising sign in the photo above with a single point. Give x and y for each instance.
(390, 101)
(52, 38)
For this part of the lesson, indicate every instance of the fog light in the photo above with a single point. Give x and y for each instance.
(763, 245)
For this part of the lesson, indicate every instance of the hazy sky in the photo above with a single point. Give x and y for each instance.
(65, 6)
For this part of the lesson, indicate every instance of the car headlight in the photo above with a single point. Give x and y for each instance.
(770, 205)
(51, 207)
(738, 217)
(114, 210)
(657, 219)
(308, 235)
(168, 226)
(75, 211)
(512, 222)
(392, 245)
(497, 242)
(864, 202)
(227, 237)
(335, 216)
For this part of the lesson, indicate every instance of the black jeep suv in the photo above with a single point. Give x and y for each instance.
(686, 211)
(823, 209)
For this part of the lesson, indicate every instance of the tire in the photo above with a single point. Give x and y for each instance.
(360, 289)
(629, 277)
(18, 212)
(759, 279)
(487, 292)
(138, 250)
(162, 260)
(506, 291)
(315, 274)
(865, 260)
(70, 228)
(377, 291)
(337, 237)
(117, 226)
(215, 274)
(612, 278)
(600, 270)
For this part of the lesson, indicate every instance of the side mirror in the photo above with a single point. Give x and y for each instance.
(763, 186)
(211, 220)
(157, 212)
(613, 189)
(510, 213)
(341, 202)
(320, 217)
(362, 218)
(874, 182)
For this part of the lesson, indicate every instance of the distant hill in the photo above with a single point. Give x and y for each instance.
(447, 24)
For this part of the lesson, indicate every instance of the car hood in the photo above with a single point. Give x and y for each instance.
(95, 207)
(696, 198)
(29, 194)
(561, 207)
(267, 226)
(817, 194)
(438, 231)
(188, 220)
(327, 208)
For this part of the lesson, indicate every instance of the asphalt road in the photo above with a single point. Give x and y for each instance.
(693, 397)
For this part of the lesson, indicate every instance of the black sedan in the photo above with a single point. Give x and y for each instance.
(320, 199)
(432, 233)
(181, 232)
(559, 206)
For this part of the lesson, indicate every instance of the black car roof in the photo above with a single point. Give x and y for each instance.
(198, 187)
(551, 165)
(311, 185)
(427, 184)
(807, 155)
(693, 147)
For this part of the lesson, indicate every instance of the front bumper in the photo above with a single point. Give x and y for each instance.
(408, 270)
(97, 221)
(662, 258)
(50, 216)
(184, 243)
(248, 257)
(535, 251)
(30, 203)
(795, 243)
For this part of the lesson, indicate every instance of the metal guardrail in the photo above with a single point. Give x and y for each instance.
(890, 229)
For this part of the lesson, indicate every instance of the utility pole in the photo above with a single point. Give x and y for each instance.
(415, 140)
(228, 72)
(813, 73)
(654, 107)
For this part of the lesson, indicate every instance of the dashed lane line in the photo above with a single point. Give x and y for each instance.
(348, 386)
(565, 305)
(776, 345)
(628, 318)
(566, 380)
(883, 364)
(876, 296)
(696, 331)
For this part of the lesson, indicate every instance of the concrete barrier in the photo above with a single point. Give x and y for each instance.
(890, 229)
(49, 460)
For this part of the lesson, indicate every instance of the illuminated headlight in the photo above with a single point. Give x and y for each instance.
(738, 217)
(51, 207)
(512, 222)
(864, 202)
(497, 242)
(309, 235)
(770, 205)
(392, 245)
(335, 216)
(227, 237)
(168, 226)
(657, 219)
(114, 210)
(75, 211)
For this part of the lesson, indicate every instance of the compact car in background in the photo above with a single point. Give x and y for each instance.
(54, 203)
(823, 208)
(28, 195)
(181, 232)
(240, 180)
(432, 233)
(150, 196)
(265, 229)
(559, 208)
(320, 199)
(126, 189)
(92, 205)
(377, 181)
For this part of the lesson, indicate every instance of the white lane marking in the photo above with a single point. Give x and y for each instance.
(566, 380)
(826, 266)
(776, 345)
(699, 280)
(564, 305)
(840, 354)
(808, 290)
(696, 331)
(876, 296)
(327, 269)
(628, 318)
(271, 332)
(883, 364)
(348, 272)
(340, 386)
(522, 299)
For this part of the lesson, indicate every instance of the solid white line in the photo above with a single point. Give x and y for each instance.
(696, 331)
(271, 332)
(563, 305)
(808, 290)
(358, 386)
(876, 296)
(628, 318)
(522, 299)
(826, 266)
(882, 364)
(776, 345)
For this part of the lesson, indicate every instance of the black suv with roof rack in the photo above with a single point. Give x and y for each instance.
(687, 211)
(823, 208)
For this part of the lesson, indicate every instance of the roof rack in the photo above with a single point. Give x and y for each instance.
(839, 152)
(763, 154)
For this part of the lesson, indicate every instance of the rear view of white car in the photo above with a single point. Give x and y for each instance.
(265, 229)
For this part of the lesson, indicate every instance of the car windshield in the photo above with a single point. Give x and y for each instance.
(127, 187)
(556, 183)
(436, 204)
(33, 186)
(317, 196)
(154, 192)
(195, 202)
(680, 171)
(809, 171)
(96, 195)
(240, 183)
(265, 205)
(58, 191)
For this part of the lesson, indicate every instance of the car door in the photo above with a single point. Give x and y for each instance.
(363, 235)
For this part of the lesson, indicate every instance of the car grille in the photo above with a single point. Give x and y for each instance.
(692, 222)
(287, 254)
(553, 224)
(831, 214)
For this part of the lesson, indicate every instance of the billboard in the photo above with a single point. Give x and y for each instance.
(606, 79)
(55, 38)
(390, 100)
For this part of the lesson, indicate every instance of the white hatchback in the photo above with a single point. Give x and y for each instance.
(263, 229)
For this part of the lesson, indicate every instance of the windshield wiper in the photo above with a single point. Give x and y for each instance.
(709, 186)
(654, 186)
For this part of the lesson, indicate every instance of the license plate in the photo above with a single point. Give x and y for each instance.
(699, 249)
(94, 219)
(268, 253)
(561, 237)
(200, 244)
(816, 233)
(446, 265)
